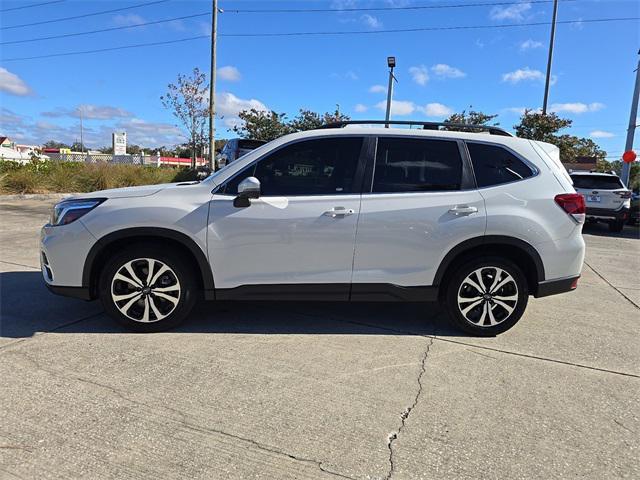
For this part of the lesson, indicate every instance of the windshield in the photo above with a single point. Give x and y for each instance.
(217, 173)
(601, 182)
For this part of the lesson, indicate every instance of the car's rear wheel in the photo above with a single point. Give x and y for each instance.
(147, 289)
(616, 226)
(486, 296)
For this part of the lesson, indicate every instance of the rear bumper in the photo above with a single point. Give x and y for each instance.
(607, 214)
(554, 287)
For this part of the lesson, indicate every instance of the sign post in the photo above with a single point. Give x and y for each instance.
(119, 143)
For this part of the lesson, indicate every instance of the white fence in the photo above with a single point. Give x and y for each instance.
(138, 159)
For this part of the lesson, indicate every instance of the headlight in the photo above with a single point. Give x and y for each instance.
(69, 211)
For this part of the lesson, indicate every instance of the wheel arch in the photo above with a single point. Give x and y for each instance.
(112, 242)
(520, 252)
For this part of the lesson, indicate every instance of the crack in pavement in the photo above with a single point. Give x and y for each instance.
(183, 417)
(612, 285)
(393, 436)
(492, 349)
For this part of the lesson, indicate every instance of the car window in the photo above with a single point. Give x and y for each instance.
(323, 166)
(596, 182)
(494, 165)
(416, 165)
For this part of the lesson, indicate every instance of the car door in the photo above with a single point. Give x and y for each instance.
(299, 234)
(421, 202)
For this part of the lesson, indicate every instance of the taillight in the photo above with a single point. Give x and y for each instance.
(573, 204)
(623, 193)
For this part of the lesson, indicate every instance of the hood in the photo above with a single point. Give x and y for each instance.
(126, 192)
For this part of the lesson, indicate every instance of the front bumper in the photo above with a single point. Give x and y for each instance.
(74, 292)
(607, 214)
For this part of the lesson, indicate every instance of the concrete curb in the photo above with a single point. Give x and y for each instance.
(37, 196)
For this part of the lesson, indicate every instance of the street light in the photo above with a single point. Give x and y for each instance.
(391, 63)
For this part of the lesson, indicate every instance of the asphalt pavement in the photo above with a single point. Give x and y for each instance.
(318, 390)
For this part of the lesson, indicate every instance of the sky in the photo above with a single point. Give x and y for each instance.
(499, 69)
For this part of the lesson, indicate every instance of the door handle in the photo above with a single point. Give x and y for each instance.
(463, 210)
(337, 212)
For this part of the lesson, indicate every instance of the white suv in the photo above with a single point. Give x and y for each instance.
(478, 221)
(607, 199)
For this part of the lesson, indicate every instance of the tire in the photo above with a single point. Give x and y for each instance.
(143, 307)
(487, 313)
(616, 226)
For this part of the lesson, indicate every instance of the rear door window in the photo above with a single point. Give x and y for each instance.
(495, 165)
(596, 182)
(417, 165)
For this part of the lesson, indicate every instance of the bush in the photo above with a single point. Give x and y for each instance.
(65, 177)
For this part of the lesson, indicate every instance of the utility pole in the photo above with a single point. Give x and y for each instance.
(212, 87)
(81, 139)
(550, 59)
(631, 131)
(391, 63)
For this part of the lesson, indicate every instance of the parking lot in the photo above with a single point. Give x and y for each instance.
(315, 390)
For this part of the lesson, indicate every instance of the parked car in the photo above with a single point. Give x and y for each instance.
(634, 210)
(236, 148)
(477, 221)
(607, 199)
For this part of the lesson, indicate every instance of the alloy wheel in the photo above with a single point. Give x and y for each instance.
(487, 296)
(145, 290)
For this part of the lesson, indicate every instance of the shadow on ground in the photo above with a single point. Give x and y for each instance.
(602, 230)
(27, 307)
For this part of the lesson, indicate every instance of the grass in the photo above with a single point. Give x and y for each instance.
(64, 177)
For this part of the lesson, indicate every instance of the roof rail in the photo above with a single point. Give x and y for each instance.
(425, 125)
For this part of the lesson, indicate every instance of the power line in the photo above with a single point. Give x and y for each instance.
(103, 12)
(30, 6)
(122, 27)
(426, 29)
(109, 49)
(409, 30)
(379, 9)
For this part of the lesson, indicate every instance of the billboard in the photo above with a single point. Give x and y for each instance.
(119, 143)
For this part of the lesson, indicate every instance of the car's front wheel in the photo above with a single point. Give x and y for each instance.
(147, 289)
(486, 296)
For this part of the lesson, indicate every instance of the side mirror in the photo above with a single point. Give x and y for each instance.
(247, 189)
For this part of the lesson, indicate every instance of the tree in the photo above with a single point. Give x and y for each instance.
(267, 126)
(545, 128)
(471, 118)
(54, 144)
(188, 101)
(536, 126)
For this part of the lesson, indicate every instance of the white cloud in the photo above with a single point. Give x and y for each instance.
(349, 75)
(371, 21)
(601, 134)
(228, 106)
(576, 107)
(377, 89)
(446, 71)
(94, 112)
(522, 74)
(436, 110)
(13, 84)
(359, 107)
(228, 73)
(530, 44)
(398, 107)
(419, 74)
(128, 20)
(513, 12)
(149, 134)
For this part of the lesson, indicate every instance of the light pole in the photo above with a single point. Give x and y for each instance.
(550, 58)
(212, 87)
(633, 118)
(391, 63)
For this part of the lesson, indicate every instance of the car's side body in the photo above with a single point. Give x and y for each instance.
(363, 245)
